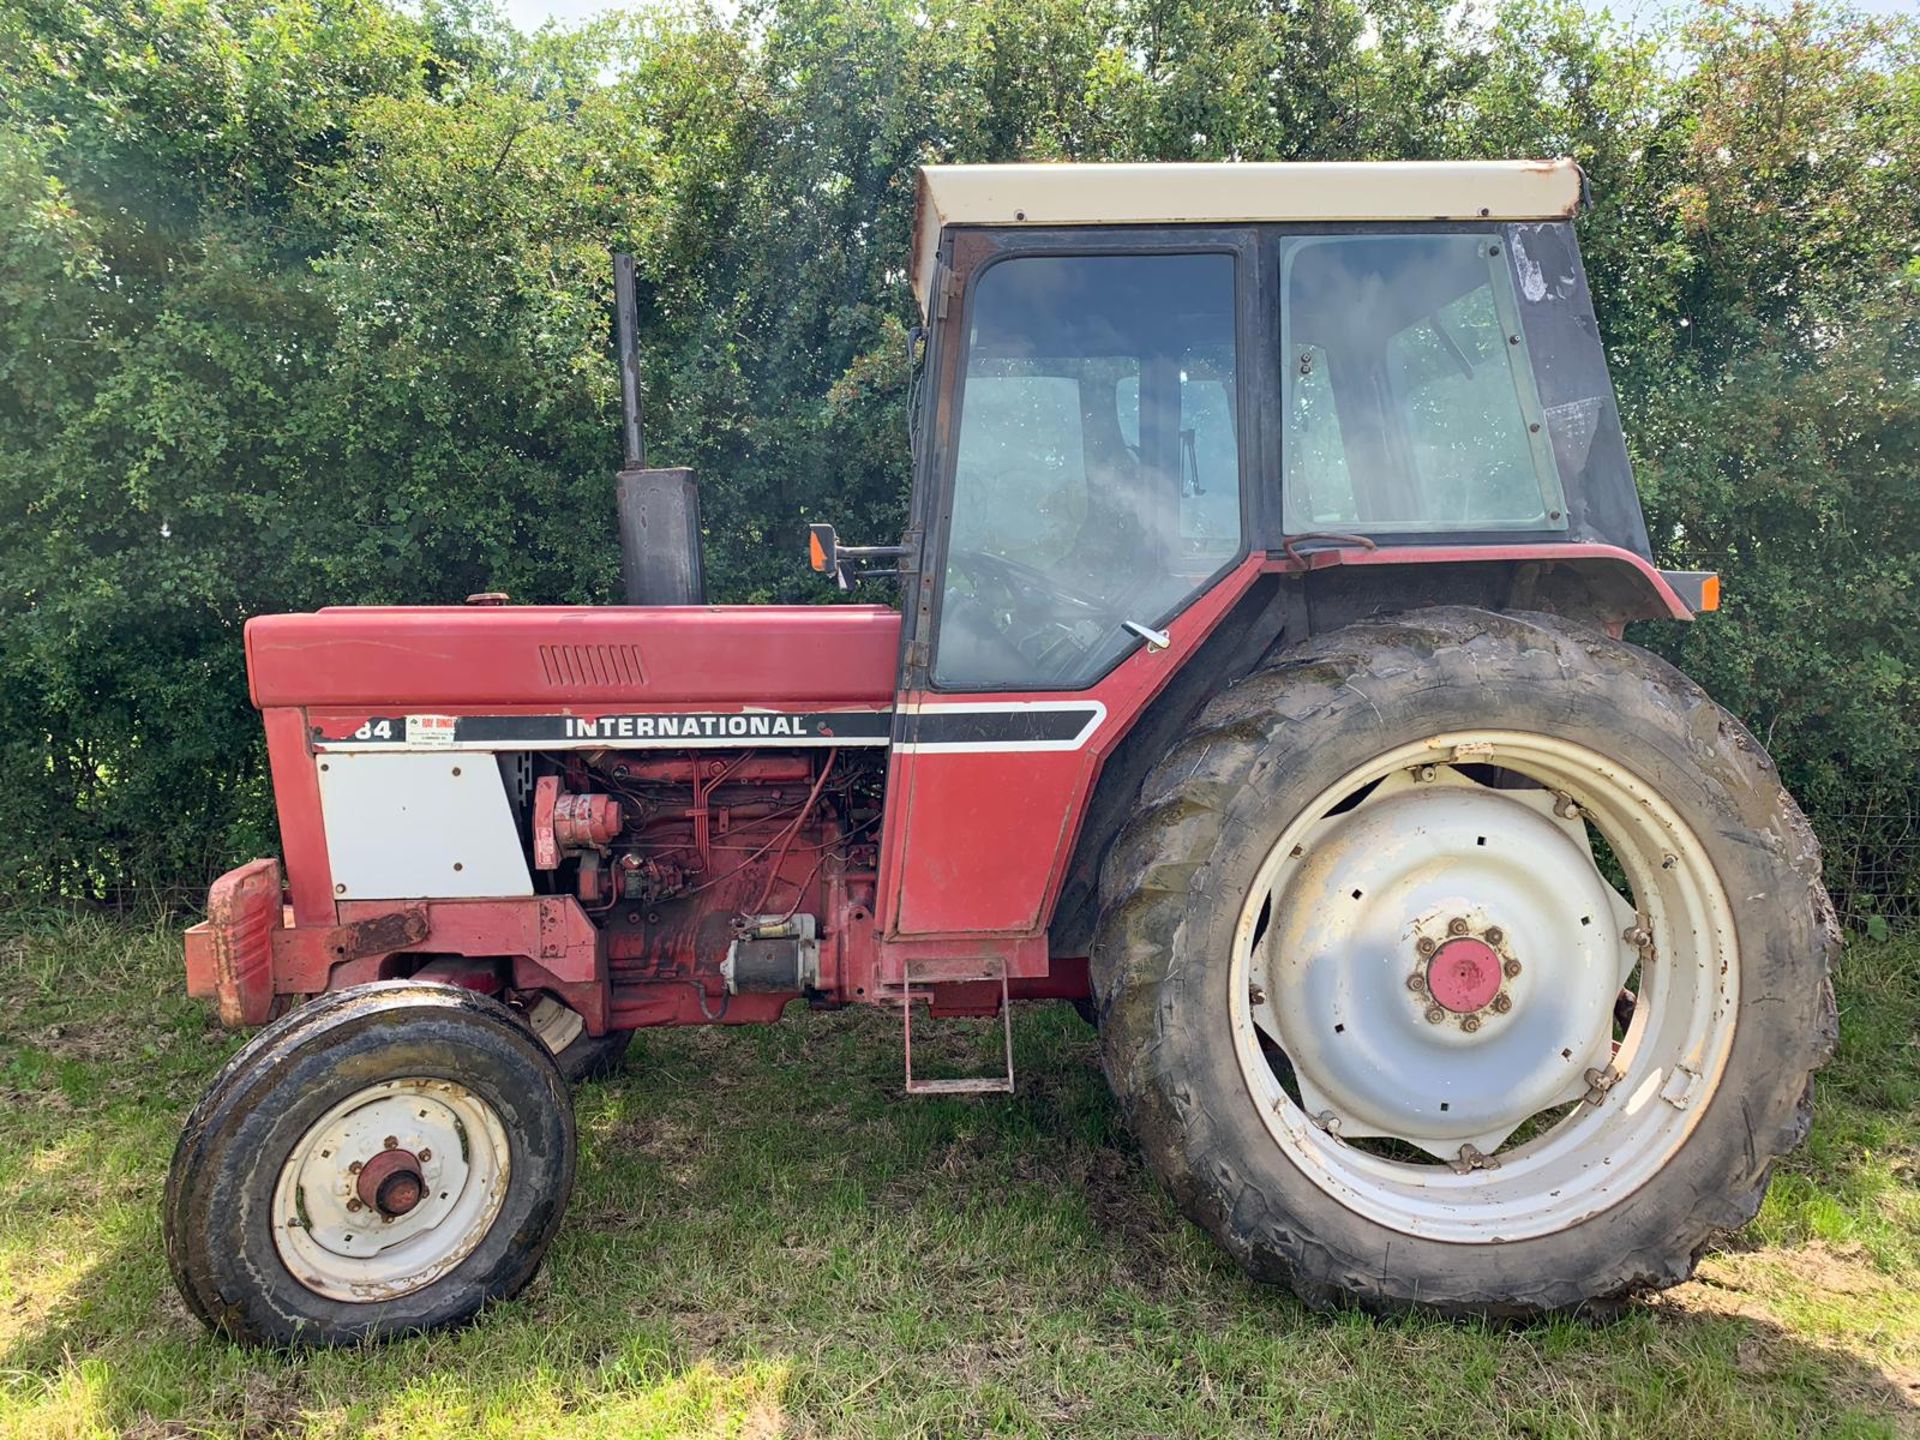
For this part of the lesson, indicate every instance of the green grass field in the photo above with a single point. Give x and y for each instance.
(768, 1239)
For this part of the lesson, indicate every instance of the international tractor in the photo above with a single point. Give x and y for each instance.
(1256, 680)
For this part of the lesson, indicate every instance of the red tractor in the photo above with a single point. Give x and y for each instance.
(1256, 682)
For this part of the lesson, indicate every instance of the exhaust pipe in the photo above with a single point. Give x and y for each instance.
(659, 510)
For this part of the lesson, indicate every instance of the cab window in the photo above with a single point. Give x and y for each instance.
(1097, 463)
(1409, 396)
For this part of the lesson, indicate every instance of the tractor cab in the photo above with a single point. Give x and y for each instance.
(1138, 375)
(1165, 405)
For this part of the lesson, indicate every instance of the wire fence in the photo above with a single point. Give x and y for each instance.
(1873, 864)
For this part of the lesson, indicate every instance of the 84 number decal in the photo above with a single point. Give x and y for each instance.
(373, 730)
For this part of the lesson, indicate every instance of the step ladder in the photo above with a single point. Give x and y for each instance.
(1000, 1084)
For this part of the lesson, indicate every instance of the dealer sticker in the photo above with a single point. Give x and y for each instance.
(430, 732)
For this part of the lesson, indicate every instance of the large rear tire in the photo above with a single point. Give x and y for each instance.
(386, 1159)
(1469, 962)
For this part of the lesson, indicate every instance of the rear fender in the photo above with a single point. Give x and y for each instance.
(1602, 585)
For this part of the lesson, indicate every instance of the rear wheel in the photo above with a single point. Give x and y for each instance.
(580, 1056)
(1467, 961)
(386, 1159)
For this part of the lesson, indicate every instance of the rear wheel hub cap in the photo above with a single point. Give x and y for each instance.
(1464, 975)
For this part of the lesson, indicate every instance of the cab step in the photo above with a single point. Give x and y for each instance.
(998, 1084)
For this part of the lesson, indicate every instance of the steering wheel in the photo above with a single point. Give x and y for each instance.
(1029, 615)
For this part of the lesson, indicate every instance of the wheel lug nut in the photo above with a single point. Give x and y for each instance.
(355, 1205)
(426, 1154)
(354, 1168)
(1255, 996)
(1637, 936)
(391, 1142)
(1512, 968)
(1425, 945)
(1456, 926)
(1416, 982)
(1495, 935)
(1502, 1004)
(1435, 1015)
(1470, 1024)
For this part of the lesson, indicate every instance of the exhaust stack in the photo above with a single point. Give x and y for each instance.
(659, 510)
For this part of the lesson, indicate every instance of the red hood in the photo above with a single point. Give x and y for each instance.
(459, 656)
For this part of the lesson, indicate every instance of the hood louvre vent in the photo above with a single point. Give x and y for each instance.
(592, 667)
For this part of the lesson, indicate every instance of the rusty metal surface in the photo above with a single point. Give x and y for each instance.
(243, 911)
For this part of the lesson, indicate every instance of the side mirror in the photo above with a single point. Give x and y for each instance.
(830, 557)
(823, 550)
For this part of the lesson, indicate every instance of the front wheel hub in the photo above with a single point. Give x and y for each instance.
(391, 1189)
(391, 1183)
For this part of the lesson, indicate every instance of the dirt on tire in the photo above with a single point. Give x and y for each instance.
(1174, 880)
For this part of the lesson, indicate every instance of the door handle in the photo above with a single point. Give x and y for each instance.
(1156, 639)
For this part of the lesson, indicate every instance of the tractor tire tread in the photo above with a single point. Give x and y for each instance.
(1160, 862)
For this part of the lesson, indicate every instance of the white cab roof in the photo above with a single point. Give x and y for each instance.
(1227, 192)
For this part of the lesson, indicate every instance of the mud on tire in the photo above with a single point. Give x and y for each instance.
(1176, 882)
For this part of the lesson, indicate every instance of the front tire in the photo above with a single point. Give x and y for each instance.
(384, 1160)
(1368, 945)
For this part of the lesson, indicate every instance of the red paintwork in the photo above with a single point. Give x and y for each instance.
(586, 822)
(402, 1169)
(546, 849)
(983, 840)
(303, 833)
(230, 955)
(956, 887)
(470, 657)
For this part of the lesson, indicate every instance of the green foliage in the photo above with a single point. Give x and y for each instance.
(306, 303)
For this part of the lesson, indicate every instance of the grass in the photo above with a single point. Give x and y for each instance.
(768, 1238)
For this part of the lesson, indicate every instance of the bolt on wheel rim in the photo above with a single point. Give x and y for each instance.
(1425, 979)
(390, 1189)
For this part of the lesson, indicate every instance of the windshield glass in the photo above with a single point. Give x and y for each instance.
(1097, 465)
(1410, 401)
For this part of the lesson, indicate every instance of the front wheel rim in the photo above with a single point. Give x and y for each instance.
(1424, 979)
(390, 1189)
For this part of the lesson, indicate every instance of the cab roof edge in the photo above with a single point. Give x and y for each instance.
(1232, 192)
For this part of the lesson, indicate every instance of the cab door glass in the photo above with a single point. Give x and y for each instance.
(1097, 463)
(1318, 481)
(1410, 402)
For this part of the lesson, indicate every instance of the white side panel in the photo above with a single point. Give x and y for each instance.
(420, 826)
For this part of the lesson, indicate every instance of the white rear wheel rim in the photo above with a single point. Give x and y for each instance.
(557, 1025)
(336, 1243)
(1392, 1113)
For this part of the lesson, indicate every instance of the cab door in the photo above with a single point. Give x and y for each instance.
(1081, 504)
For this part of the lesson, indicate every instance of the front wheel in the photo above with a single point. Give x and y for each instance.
(386, 1159)
(1466, 961)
